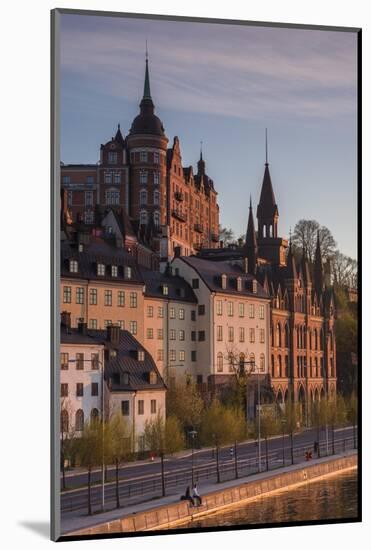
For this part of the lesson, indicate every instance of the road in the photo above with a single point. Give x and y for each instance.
(142, 481)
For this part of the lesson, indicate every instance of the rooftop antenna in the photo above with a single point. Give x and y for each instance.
(146, 50)
(266, 146)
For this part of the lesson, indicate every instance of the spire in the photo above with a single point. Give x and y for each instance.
(291, 266)
(251, 247)
(147, 89)
(266, 147)
(267, 212)
(201, 163)
(118, 137)
(318, 268)
(305, 267)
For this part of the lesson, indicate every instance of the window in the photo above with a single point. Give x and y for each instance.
(140, 406)
(121, 324)
(241, 334)
(252, 361)
(66, 294)
(160, 334)
(108, 297)
(201, 335)
(133, 327)
(150, 333)
(79, 361)
(101, 269)
(193, 335)
(149, 311)
(143, 177)
(219, 362)
(172, 355)
(79, 420)
(254, 287)
(74, 266)
(224, 282)
(117, 177)
(88, 198)
(156, 198)
(89, 217)
(107, 323)
(252, 335)
(93, 324)
(125, 409)
(114, 270)
(172, 313)
(93, 296)
(219, 307)
(181, 355)
(95, 361)
(241, 310)
(230, 334)
(141, 355)
(94, 415)
(193, 355)
(153, 406)
(143, 156)
(262, 336)
(79, 389)
(230, 309)
(193, 315)
(112, 157)
(201, 310)
(160, 312)
(165, 290)
(112, 196)
(156, 158)
(195, 283)
(64, 390)
(66, 179)
(79, 295)
(64, 421)
(160, 355)
(143, 217)
(181, 335)
(261, 312)
(121, 298)
(181, 313)
(219, 333)
(172, 335)
(156, 218)
(107, 177)
(239, 284)
(251, 311)
(143, 197)
(133, 299)
(89, 180)
(64, 361)
(262, 362)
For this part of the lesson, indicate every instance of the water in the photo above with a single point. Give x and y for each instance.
(333, 497)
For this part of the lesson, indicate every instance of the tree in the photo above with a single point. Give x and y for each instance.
(336, 416)
(238, 433)
(163, 437)
(319, 419)
(344, 270)
(226, 235)
(67, 436)
(90, 450)
(118, 445)
(236, 394)
(184, 402)
(352, 415)
(291, 420)
(268, 427)
(305, 236)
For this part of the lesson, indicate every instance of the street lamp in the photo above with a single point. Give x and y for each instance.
(283, 440)
(193, 434)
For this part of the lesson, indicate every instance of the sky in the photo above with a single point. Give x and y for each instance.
(223, 85)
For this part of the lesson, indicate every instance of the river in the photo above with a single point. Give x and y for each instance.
(333, 497)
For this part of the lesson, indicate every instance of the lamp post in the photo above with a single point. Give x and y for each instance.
(283, 441)
(193, 434)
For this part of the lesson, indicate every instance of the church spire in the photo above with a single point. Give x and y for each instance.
(267, 212)
(201, 163)
(147, 88)
(251, 247)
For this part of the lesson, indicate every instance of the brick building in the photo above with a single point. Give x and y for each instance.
(144, 181)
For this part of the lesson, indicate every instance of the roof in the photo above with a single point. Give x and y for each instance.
(125, 360)
(98, 253)
(267, 207)
(178, 288)
(211, 271)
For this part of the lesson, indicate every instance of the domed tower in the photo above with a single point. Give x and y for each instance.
(147, 145)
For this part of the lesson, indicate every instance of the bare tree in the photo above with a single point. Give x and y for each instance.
(344, 270)
(67, 436)
(237, 360)
(118, 445)
(305, 236)
(226, 235)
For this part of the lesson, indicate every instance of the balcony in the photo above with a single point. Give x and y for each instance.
(215, 237)
(179, 215)
(179, 196)
(198, 228)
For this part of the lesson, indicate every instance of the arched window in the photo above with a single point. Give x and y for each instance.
(156, 218)
(298, 337)
(94, 415)
(272, 365)
(321, 340)
(143, 217)
(262, 362)
(143, 197)
(280, 366)
(242, 363)
(219, 362)
(278, 335)
(156, 197)
(286, 336)
(64, 421)
(252, 361)
(79, 420)
(315, 339)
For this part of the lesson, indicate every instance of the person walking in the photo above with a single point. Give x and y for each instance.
(196, 495)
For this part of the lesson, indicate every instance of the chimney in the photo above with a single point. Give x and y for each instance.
(177, 251)
(246, 265)
(66, 319)
(113, 334)
(82, 327)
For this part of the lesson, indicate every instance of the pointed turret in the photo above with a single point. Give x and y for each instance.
(201, 164)
(267, 212)
(119, 137)
(305, 268)
(291, 272)
(251, 246)
(318, 268)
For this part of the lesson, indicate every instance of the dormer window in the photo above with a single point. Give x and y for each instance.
(114, 271)
(224, 281)
(74, 266)
(239, 284)
(127, 272)
(165, 290)
(101, 269)
(140, 355)
(153, 377)
(125, 378)
(254, 287)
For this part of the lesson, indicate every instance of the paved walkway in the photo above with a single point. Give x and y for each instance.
(76, 523)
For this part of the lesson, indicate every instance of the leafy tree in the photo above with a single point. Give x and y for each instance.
(118, 445)
(90, 450)
(163, 437)
(305, 236)
(184, 402)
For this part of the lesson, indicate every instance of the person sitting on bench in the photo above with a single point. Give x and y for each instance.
(196, 495)
(187, 496)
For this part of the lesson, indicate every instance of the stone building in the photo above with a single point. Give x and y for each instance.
(145, 182)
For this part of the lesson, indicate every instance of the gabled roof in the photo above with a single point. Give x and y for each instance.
(178, 288)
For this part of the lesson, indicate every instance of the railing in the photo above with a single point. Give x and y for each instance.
(178, 480)
(179, 215)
